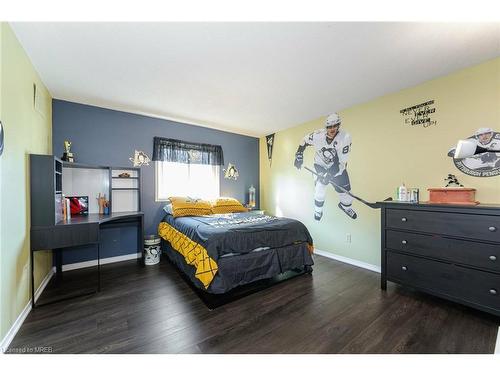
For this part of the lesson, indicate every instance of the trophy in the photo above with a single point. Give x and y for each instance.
(68, 155)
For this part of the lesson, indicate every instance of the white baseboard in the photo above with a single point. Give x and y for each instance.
(20, 319)
(93, 263)
(351, 261)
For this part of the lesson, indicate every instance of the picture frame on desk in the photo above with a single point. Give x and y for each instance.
(79, 205)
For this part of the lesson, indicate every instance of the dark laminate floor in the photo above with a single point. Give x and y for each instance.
(339, 309)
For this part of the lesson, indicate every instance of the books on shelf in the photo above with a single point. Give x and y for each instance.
(66, 212)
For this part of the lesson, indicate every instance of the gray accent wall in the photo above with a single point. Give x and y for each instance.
(107, 137)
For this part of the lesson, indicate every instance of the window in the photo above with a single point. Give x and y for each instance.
(186, 168)
(181, 179)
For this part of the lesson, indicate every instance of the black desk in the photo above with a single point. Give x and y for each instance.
(78, 231)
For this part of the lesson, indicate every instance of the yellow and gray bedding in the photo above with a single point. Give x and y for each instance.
(186, 206)
(227, 205)
(204, 240)
(194, 254)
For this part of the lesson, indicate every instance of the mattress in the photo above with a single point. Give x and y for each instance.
(220, 252)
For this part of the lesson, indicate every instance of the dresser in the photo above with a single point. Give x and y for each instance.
(449, 251)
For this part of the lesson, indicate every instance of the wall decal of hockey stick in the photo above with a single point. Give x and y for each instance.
(371, 205)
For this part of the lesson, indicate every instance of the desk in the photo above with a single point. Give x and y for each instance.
(78, 231)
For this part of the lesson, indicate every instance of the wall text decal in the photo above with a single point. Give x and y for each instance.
(420, 114)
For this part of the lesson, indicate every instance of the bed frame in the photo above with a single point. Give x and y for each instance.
(211, 300)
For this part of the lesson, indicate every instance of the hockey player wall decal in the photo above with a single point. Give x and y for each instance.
(486, 164)
(332, 146)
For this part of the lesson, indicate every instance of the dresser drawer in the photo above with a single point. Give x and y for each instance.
(465, 284)
(421, 273)
(482, 227)
(470, 253)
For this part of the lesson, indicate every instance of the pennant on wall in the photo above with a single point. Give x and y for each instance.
(270, 144)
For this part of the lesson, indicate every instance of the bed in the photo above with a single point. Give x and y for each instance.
(221, 252)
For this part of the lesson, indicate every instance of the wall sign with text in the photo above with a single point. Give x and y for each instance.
(420, 114)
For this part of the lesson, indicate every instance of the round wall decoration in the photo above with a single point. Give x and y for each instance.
(1, 138)
(486, 164)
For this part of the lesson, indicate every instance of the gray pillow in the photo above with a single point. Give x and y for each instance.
(168, 208)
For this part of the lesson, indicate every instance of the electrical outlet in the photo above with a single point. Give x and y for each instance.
(348, 238)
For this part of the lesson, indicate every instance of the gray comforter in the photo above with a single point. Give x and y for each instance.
(240, 232)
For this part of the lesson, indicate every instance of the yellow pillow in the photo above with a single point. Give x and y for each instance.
(185, 206)
(227, 205)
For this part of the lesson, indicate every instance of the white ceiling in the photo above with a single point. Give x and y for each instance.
(249, 78)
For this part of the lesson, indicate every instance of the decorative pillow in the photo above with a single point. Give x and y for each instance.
(186, 206)
(227, 205)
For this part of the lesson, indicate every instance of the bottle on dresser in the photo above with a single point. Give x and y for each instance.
(402, 193)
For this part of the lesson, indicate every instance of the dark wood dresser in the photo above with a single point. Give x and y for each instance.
(446, 250)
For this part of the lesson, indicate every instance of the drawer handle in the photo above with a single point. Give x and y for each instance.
(493, 291)
(404, 268)
(404, 242)
(492, 229)
(404, 219)
(493, 258)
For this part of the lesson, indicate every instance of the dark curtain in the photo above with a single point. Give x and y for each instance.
(174, 150)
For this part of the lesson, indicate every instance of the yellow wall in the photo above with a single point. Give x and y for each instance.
(1, 184)
(385, 152)
(26, 131)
